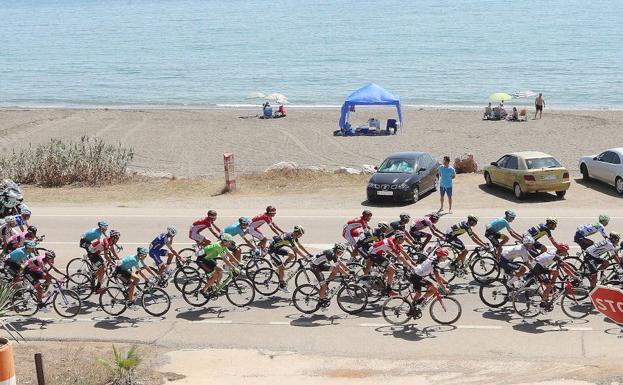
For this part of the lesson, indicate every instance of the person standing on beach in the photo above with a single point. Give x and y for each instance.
(539, 103)
(446, 175)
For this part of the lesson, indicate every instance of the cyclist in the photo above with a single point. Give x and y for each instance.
(494, 231)
(353, 228)
(541, 230)
(401, 225)
(93, 234)
(199, 225)
(8, 230)
(328, 260)
(241, 229)
(17, 257)
(206, 260)
(540, 268)
(260, 220)
(510, 253)
(277, 249)
(35, 270)
(453, 234)
(586, 230)
(593, 257)
(417, 229)
(157, 250)
(367, 237)
(99, 252)
(390, 246)
(23, 217)
(419, 276)
(18, 240)
(124, 271)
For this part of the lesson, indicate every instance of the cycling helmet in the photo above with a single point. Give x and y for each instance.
(32, 229)
(9, 219)
(441, 252)
(171, 231)
(103, 224)
(24, 210)
(434, 217)
(510, 214)
(604, 219)
(212, 213)
(227, 238)
(271, 210)
(383, 225)
(614, 236)
(50, 254)
(339, 247)
(299, 229)
(399, 234)
(551, 220)
(472, 218)
(114, 234)
(562, 248)
(366, 213)
(404, 216)
(244, 220)
(30, 244)
(527, 240)
(141, 250)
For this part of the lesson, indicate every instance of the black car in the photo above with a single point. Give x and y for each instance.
(404, 176)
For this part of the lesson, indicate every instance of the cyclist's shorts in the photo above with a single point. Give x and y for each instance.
(96, 260)
(418, 282)
(84, 244)
(124, 275)
(364, 250)
(493, 237)
(418, 235)
(208, 266)
(508, 266)
(583, 242)
(255, 233)
(275, 255)
(33, 276)
(157, 254)
(593, 263)
(380, 260)
(196, 236)
(539, 271)
(232, 247)
(13, 268)
(350, 239)
(455, 242)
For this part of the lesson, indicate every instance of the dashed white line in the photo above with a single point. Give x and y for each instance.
(576, 328)
(492, 327)
(213, 321)
(279, 323)
(373, 325)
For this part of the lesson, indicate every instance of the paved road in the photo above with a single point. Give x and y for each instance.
(272, 323)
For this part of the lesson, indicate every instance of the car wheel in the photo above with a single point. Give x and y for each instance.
(416, 194)
(584, 171)
(618, 183)
(436, 184)
(488, 179)
(561, 194)
(517, 190)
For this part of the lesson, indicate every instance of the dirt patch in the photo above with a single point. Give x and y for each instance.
(347, 373)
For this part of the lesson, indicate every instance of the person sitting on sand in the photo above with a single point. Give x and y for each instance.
(281, 113)
(488, 112)
(514, 117)
(267, 110)
(503, 113)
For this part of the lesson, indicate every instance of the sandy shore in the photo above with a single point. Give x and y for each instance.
(191, 142)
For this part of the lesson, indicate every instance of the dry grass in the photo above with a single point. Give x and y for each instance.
(76, 363)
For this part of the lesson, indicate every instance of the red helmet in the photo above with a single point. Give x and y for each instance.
(441, 252)
(562, 248)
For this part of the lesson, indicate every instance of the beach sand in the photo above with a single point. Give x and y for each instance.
(189, 143)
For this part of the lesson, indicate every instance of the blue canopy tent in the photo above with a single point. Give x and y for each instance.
(369, 95)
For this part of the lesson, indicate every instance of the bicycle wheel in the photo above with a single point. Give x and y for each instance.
(81, 284)
(187, 253)
(306, 299)
(527, 302)
(396, 310)
(375, 287)
(266, 281)
(67, 303)
(493, 293)
(24, 302)
(78, 265)
(184, 275)
(445, 310)
(401, 281)
(193, 296)
(356, 268)
(113, 301)
(240, 292)
(254, 264)
(155, 301)
(483, 268)
(576, 304)
(352, 299)
(306, 276)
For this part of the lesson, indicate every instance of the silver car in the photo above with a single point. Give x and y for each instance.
(606, 167)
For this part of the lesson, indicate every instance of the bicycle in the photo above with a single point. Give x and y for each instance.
(154, 300)
(266, 280)
(65, 302)
(240, 292)
(351, 297)
(443, 309)
(574, 301)
(481, 263)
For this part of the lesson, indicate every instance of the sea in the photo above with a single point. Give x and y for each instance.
(206, 53)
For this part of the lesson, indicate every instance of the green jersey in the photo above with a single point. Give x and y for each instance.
(213, 251)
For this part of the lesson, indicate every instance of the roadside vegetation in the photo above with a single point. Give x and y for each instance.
(89, 162)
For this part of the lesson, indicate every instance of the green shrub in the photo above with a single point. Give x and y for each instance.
(89, 161)
(123, 366)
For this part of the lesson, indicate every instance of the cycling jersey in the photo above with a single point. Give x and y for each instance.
(93, 234)
(387, 245)
(19, 255)
(99, 246)
(7, 232)
(197, 227)
(539, 231)
(510, 253)
(282, 240)
(20, 221)
(369, 237)
(421, 224)
(590, 229)
(159, 242)
(129, 262)
(17, 241)
(499, 224)
(427, 267)
(256, 223)
(211, 252)
(460, 229)
(234, 230)
(352, 227)
(327, 256)
(547, 258)
(35, 264)
(600, 248)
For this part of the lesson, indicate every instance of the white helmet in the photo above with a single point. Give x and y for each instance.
(171, 231)
(23, 209)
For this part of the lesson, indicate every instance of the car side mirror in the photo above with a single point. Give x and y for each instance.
(494, 164)
(596, 158)
(376, 168)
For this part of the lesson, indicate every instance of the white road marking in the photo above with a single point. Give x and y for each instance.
(576, 328)
(214, 321)
(372, 325)
(279, 323)
(492, 327)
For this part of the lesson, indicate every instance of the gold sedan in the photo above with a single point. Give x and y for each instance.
(528, 172)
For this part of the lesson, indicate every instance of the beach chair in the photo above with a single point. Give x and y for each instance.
(523, 115)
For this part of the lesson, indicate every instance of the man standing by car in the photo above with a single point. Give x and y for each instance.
(446, 175)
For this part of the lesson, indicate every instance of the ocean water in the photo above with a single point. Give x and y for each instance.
(211, 52)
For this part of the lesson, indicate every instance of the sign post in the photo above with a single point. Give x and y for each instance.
(609, 302)
(230, 172)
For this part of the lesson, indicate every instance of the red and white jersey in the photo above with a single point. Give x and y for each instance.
(99, 246)
(387, 245)
(260, 220)
(352, 227)
(203, 223)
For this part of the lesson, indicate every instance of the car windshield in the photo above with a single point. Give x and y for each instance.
(398, 165)
(542, 163)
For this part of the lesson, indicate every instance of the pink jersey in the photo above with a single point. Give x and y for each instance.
(260, 220)
(421, 224)
(36, 264)
(387, 245)
(17, 240)
(352, 227)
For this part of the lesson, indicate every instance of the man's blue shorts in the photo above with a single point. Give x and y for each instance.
(157, 254)
(446, 190)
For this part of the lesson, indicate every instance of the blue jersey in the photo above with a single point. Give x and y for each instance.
(19, 220)
(130, 262)
(93, 234)
(159, 242)
(19, 255)
(498, 224)
(234, 230)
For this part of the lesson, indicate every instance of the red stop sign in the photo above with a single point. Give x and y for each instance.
(609, 302)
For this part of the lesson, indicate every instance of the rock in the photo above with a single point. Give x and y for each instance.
(347, 170)
(465, 164)
(282, 166)
(368, 169)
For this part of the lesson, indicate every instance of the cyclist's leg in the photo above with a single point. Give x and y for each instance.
(134, 279)
(276, 257)
(156, 255)
(494, 238)
(324, 285)
(459, 246)
(213, 270)
(553, 276)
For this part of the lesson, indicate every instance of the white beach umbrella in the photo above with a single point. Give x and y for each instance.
(277, 97)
